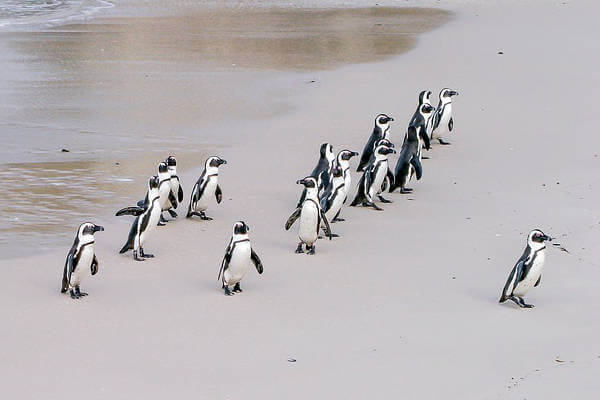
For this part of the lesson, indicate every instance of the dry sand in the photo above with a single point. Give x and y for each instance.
(404, 304)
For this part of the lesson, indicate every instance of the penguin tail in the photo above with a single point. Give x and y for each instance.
(503, 298)
(357, 200)
(63, 289)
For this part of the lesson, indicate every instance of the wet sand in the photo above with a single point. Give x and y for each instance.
(122, 93)
(404, 303)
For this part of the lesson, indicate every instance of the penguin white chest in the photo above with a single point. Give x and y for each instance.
(209, 192)
(152, 222)
(239, 263)
(442, 128)
(347, 178)
(534, 274)
(380, 173)
(309, 219)
(83, 266)
(163, 193)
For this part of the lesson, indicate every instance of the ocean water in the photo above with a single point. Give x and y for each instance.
(20, 14)
(144, 79)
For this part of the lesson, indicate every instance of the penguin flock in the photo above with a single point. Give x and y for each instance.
(325, 192)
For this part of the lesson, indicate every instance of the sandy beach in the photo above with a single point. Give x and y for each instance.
(405, 302)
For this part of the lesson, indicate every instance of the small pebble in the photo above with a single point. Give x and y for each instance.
(65, 150)
(292, 360)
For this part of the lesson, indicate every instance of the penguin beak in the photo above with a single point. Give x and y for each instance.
(390, 119)
(98, 228)
(354, 153)
(300, 182)
(546, 237)
(221, 161)
(453, 93)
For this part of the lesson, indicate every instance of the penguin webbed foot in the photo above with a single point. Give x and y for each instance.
(74, 294)
(337, 219)
(79, 293)
(372, 205)
(136, 258)
(204, 217)
(299, 249)
(384, 200)
(227, 291)
(237, 288)
(145, 255)
(172, 213)
(520, 302)
(160, 224)
(444, 142)
(311, 250)
(406, 190)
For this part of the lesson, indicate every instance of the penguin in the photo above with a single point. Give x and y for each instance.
(165, 195)
(322, 172)
(238, 256)
(343, 161)
(422, 119)
(176, 189)
(147, 218)
(527, 273)
(442, 118)
(408, 162)
(81, 257)
(206, 187)
(380, 131)
(311, 215)
(372, 179)
(334, 196)
(388, 181)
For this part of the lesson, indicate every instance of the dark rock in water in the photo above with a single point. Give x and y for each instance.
(500, 52)
(292, 360)
(65, 150)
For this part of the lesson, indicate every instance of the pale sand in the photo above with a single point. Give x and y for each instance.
(404, 304)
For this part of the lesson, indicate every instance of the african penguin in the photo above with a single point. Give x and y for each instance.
(380, 131)
(146, 220)
(343, 161)
(206, 187)
(176, 189)
(372, 179)
(334, 196)
(81, 257)
(322, 172)
(389, 177)
(311, 215)
(422, 120)
(165, 196)
(442, 118)
(527, 273)
(238, 257)
(408, 162)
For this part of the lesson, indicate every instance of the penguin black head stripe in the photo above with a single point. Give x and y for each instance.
(215, 161)
(383, 119)
(163, 168)
(153, 182)
(347, 154)
(424, 96)
(240, 228)
(538, 236)
(171, 161)
(336, 171)
(427, 108)
(384, 142)
(308, 182)
(448, 93)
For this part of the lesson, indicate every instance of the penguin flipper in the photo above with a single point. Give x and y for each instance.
(218, 194)
(360, 196)
(513, 279)
(390, 177)
(425, 137)
(324, 218)
(256, 260)
(130, 211)
(180, 194)
(416, 163)
(225, 262)
(295, 215)
(131, 238)
(172, 199)
(538, 281)
(94, 266)
(67, 271)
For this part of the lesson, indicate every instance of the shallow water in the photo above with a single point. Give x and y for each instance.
(133, 90)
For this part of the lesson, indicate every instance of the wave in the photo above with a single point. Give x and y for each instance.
(19, 14)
